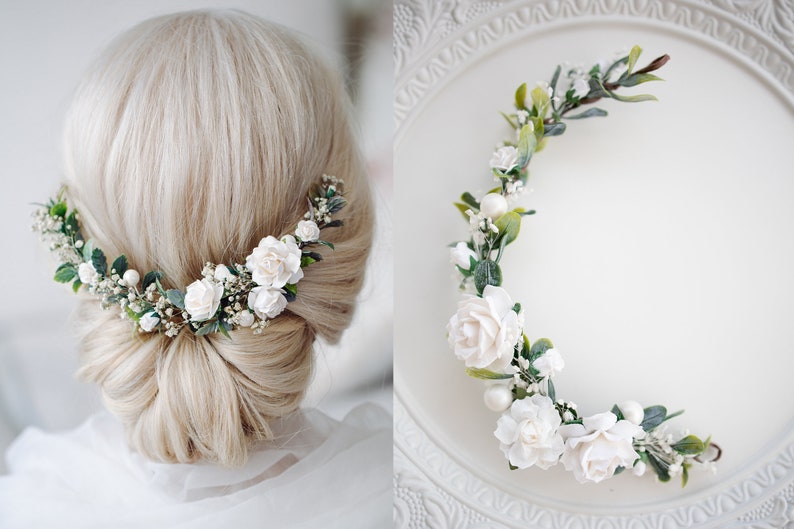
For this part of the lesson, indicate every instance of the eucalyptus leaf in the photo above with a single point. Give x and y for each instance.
(659, 468)
(689, 445)
(654, 416)
(469, 199)
(527, 142)
(633, 99)
(554, 129)
(554, 78)
(487, 273)
(639, 78)
(552, 391)
(521, 97)
(176, 297)
(88, 249)
(634, 54)
(207, 328)
(509, 225)
(539, 348)
(589, 113)
(463, 208)
(509, 120)
(224, 327)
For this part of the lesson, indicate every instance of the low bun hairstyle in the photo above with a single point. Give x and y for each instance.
(191, 138)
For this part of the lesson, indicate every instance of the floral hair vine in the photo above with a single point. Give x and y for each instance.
(227, 296)
(536, 427)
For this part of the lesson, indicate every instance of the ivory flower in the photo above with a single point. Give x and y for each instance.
(528, 433)
(307, 231)
(202, 299)
(580, 87)
(460, 255)
(87, 273)
(274, 263)
(267, 302)
(504, 159)
(484, 331)
(149, 321)
(596, 448)
(222, 273)
(549, 364)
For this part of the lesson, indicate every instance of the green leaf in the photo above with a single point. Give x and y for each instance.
(307, 260)
(326, 243)
(509, 225)
(58, 210)
(659, 468)
(100, 262)
(76, 285)
(552, 392)
(463, 208)
(527, 142)
(521, 97)
(689, 445)
(509, 120)
(539, 348)
(65, 273)
(684, 474)
(634, 54)
(511, 466)
(589, 113)
(485, 374)
(314, 256)
(469, 199)
(617, 412)
(176, 298)
(654, 416)
(554, 78)
(207, 328)
(487, 273)
(672, 415)
(333, 224)
(554, 129)
(151, 277)
(70, 223)
(540, 101)
(120, 265)
(225, 327)
(633, 99)
(639, 78)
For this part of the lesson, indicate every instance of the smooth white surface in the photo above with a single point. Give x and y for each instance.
(658, 263)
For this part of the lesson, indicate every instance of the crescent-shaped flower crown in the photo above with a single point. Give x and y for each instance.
(227, 295)
(537, 428)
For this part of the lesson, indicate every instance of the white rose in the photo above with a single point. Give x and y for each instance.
(274, 263)
(484, 331)
(580, 87)
(222, 273)
(245, 318)
(307, 231)
(594, 449)
(504, 158)
(461, 254)
(87, 273)
(149, 321)
(266, 302)
(528, 433)
(202, 299)
(549, 364)
(493, 205)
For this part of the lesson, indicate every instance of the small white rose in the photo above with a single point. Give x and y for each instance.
(598, 446)
(632, 411)
(504, 159)
(549, 364)
(202, 299)
(580, 87)
(149, 321)
(87, 273)
(245, 318)
(498, 397)
(484, 330)
(493, 205)
(274, 263)
(266, 302)
(222, 273)
(307, 231)
(461, 254)
(131, 277)
(528, 433)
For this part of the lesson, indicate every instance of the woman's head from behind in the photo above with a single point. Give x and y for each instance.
(194, 136)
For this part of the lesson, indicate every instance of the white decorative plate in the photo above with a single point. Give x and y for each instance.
(660, 262)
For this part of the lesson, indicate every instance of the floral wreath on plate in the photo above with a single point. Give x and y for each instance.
(227, 296)
(536, 427)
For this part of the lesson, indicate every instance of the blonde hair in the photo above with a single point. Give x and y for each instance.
(191, 138)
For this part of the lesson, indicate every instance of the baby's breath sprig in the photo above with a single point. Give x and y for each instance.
(227, 296)
(487, 331)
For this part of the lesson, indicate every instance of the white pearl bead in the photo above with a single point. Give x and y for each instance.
(493, 205)
(498, 397)
(131, 277)
(632, 411)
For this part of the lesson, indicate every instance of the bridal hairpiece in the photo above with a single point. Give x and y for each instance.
(227, 296)
(537, 428)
